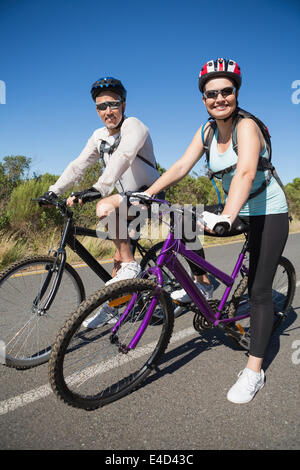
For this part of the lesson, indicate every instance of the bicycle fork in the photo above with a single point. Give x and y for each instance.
(52, 270)
(139, 333)
(60, 253)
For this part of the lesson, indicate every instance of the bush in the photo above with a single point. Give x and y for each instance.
(25, 215)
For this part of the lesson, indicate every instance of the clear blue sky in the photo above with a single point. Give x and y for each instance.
(52, 51)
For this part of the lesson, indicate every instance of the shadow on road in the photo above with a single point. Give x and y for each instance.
(186, 352)
(283, 330)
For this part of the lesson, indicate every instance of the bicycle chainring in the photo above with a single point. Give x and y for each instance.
(200, 323)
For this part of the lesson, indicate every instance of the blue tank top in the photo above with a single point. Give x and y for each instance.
(270, 201)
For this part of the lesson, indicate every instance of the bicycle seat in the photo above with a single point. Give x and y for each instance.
(238, 227)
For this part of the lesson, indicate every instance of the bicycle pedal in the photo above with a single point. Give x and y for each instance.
(245, 341)
(240, 328)
(182, 304)
(119, 301)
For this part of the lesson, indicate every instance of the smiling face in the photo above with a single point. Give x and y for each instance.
(220, 107)
(111, 117)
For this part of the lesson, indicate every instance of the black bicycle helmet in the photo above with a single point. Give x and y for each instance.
(108, 83)
(220, 68)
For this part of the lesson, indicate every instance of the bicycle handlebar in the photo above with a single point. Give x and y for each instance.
(87, 197)
(61, 205)
(145, 199)
(221, 229)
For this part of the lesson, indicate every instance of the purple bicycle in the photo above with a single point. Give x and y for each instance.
(90, 368)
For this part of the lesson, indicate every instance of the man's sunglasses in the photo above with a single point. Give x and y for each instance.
(112, 104)
(213, 94)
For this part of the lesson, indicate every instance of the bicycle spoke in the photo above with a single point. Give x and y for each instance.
(26, 330)
(96, 364)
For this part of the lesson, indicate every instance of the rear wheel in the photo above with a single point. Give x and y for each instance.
(283, 291)
(90, 368)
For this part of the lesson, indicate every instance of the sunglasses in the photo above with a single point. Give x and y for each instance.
(213, 94)
(112, 104)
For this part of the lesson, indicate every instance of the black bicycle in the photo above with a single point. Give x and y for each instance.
(38, 293)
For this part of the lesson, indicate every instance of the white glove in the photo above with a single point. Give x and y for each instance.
(210, 220)
(136, 200)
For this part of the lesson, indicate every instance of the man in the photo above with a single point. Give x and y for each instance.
(126, 149)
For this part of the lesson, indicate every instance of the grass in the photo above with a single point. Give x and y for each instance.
(13, 247)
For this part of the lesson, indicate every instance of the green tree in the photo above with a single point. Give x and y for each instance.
(293, 195)
(16, 167)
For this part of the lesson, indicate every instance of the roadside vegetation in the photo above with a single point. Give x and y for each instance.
(26, 228)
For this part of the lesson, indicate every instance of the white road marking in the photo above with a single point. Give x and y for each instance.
(11, 404)
(24, 399)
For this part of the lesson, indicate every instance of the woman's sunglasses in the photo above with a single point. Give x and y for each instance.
(213, 94)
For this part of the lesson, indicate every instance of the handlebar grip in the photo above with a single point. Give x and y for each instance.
(44, 201)
(90, 196)
(221, 228)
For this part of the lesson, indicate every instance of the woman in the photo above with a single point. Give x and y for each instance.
(267, 212)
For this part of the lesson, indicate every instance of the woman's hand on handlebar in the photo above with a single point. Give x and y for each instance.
(213, 223)
(136, 198)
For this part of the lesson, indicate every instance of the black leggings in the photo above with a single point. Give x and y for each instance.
(267, 238)
(192, 239)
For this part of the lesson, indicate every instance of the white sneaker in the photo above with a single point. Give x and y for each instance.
(247, 385)
(182, 297)
(126, 271)
(105, 315)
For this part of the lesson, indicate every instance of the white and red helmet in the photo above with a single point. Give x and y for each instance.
(220, 68)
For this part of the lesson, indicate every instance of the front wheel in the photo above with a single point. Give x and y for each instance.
(27, 330)
(283, 291)
(90, 368)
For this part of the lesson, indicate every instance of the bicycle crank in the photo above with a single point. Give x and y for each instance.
(200, 323)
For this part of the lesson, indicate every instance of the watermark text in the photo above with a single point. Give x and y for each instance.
(2, 92)
(296, 93)
(153, 223)
(296, 353)
(2, 353)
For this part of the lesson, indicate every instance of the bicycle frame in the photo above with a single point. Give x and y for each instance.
(168, 258)
(69, 238)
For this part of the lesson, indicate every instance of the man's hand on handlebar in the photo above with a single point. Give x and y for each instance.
(47, 199)
(81, 197)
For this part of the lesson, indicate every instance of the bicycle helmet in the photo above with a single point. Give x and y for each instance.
(220, 68)
(108, 83)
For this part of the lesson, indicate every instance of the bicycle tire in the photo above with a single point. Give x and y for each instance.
(283, 291)
(27, 332)
(79, 354)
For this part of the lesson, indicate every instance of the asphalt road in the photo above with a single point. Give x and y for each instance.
(181, 407)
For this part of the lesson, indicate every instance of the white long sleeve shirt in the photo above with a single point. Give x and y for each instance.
(123, 169)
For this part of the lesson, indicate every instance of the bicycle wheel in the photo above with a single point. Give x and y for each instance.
(283, 291)
(89, 368)
(27, 331)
